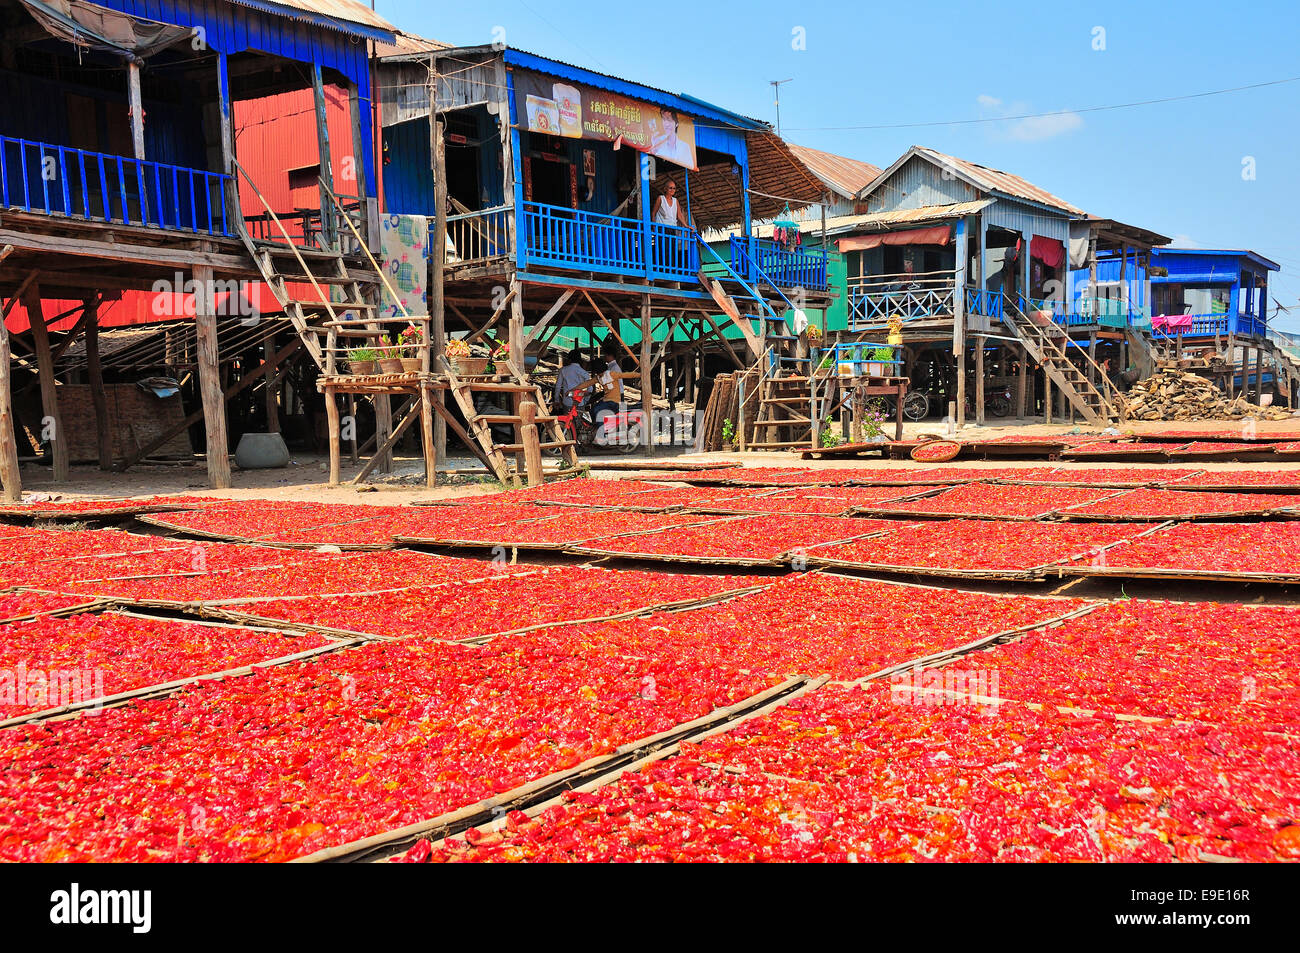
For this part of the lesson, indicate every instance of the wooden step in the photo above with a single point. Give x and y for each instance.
(519, 447)
(777, 444)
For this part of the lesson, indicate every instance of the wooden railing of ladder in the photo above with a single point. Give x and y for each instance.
(1097, 406)
(480, 425)
(261, 256)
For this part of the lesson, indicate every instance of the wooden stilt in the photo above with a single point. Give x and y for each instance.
(332, 423)
(95, 380)
(354, 451)
(427, 439)
(51, 424)
(10, 474)
(209, 366)
(979, 381)
(647, 389)
(437, 267)
(1022, 376)
(532, 442)
(1047, 398)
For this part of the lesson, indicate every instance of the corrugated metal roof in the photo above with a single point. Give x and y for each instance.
(841, 224)
(995, 180)
(343, 11)
(405, 44)
(846, 176)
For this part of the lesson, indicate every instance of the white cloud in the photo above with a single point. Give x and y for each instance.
(1045, 127)
(1031, 129)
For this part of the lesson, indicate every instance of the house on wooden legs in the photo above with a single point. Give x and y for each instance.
(975, 265)
(567, 213)
(121, 174)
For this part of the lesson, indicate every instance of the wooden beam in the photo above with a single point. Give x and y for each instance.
(411, 416)
(718, 331)
(136, 110)
(126, 252)
(51, 423)
(95, 380)
(208, 358)
(326, 164)
(496, 316)
(612, 330)
(546, 318)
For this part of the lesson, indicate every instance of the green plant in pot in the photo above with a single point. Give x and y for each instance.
(881, 362)
(390, 356)
(362, 360)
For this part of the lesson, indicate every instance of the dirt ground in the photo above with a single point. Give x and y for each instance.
(305, 477)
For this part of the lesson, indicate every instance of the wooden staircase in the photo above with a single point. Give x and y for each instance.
(783, 419)
(1046, 344)
(518, 388)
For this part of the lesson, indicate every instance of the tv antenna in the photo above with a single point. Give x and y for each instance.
(776, 90)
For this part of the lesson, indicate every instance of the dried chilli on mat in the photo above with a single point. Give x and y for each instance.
(995, 501)
(46, 663)
(860, 775)
(501, 605)
(746, 538)
(1152, 504)
(1223, 548)
(816, 625)
(981, 545)
(292, 759)
(1228, 664)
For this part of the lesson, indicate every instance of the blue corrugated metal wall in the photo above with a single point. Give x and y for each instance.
(408, 178)
(229, 28)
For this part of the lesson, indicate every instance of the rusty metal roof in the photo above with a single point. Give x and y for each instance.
(846, 176)
(405, 44)
(981, 177)
(312, 11)
(878, 221)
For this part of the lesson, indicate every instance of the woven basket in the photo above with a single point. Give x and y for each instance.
(470, 366)
(936, 451)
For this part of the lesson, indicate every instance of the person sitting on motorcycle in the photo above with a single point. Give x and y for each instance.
(611, 382)
(571, 375)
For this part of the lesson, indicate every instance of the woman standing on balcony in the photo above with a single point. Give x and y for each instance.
(668, 211)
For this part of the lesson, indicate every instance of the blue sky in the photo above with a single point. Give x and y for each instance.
(1176, 168)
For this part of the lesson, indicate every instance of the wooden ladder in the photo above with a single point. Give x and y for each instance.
(784, 417)
(282, 263)
(480, 425)
(1043, 342)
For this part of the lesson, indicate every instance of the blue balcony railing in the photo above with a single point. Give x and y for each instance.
(991, 304)
(593, 241)
(778, 266)
(1208, 325)
(59, 180)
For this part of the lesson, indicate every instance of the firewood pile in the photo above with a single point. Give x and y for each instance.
(1179, 395)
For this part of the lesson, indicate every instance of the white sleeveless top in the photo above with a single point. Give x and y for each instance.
(667, 214)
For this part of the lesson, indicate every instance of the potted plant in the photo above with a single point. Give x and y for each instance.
(880, 363)
(390, 356)
(412, 341)
(361, 360)
(498, 352)
(729, 434)
(462, 363)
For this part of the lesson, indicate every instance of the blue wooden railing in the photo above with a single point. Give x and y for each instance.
(780, 267)
(593, 241)
(60, 180)
(988, 303)
(1207, 325)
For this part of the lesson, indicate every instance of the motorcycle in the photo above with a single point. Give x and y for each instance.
(624, 430)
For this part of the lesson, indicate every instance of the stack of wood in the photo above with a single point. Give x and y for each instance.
(724, 405)
(1178, 395)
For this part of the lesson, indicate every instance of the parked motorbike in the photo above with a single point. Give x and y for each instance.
(623, 431)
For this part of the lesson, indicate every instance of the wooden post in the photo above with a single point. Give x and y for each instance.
(531, 441)
(1245, 372)
(437, 268)
(1021, 380)
(45, 372)
(326, 164)
(1259, 375)
(959, 325)
(979, 380)
(95, 380)
(1047, 397)
(427, 437)
(336, 448)
(209, 365)
(10, 474)
(354, 451)
(135, 107)
(647, 393)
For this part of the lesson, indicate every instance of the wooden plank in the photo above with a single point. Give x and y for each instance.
(327, 224)
(95, 378)
(531, 442)
(45, 375)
